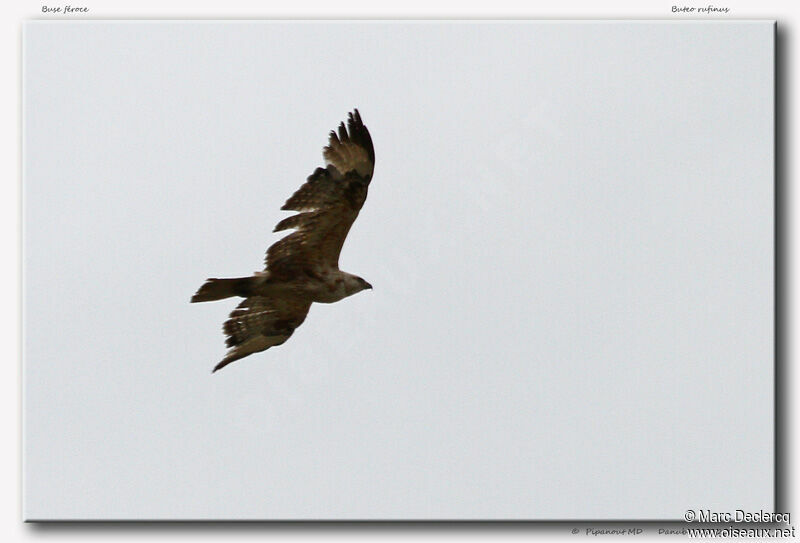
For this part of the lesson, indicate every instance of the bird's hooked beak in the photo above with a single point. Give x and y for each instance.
(368, 286)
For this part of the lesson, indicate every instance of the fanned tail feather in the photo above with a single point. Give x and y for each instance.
(219, 289)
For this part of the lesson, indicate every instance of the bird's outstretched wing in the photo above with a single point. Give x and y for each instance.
(261, 322)
(328, 203)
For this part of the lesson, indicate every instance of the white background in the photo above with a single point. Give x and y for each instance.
(12, 160)
(569, 234)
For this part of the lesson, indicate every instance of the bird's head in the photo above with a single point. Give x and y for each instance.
(356, 284)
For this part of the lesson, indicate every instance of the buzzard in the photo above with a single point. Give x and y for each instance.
(303, 267)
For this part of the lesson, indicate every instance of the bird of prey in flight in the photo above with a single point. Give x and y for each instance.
(302, 267)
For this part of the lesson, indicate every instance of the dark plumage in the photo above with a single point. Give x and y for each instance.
(302, 267)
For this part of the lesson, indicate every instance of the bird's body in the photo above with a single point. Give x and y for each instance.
(303, 267)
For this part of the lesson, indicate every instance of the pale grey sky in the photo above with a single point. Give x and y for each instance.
(569, 235)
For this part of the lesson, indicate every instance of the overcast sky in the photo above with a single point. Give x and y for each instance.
(569, 235)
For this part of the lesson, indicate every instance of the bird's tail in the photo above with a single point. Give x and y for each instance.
(218, 289)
